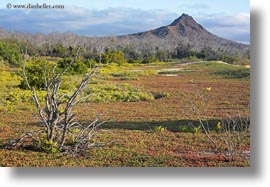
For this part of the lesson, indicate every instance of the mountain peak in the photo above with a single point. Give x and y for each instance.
(183, 19)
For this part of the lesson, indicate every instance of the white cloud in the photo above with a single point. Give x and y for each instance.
(236, 27)
(81, 20)
(117, 21)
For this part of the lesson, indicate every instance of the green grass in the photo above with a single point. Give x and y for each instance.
(213, 66)
(226, 71)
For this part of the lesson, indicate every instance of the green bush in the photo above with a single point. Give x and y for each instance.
(35, 73)
(116, 57)
(10, 51)
(149, 60)
(78, 67)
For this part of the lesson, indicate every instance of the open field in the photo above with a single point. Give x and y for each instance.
(159, 95)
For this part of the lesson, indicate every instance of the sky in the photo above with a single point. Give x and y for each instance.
(229, 19)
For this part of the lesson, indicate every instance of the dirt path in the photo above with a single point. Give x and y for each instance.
(189, 63)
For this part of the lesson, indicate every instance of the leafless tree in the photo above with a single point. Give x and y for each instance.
(63, 132)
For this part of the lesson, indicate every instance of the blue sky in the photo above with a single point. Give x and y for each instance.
(229, 19)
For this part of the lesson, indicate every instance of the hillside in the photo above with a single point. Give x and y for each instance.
(186, 30)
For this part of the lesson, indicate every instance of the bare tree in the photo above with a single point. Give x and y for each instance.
(63, 132)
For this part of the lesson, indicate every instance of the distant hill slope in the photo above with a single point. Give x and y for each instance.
(184, 31)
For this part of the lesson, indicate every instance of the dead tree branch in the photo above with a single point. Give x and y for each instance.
(61, 126)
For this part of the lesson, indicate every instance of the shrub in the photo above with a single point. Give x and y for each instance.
(160, 95)
(117, 57)
(35, 72)
(116, 93)
(10, 51)
(149, 60)
(77, 67)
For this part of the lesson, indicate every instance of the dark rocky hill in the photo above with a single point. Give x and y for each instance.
(187, 31)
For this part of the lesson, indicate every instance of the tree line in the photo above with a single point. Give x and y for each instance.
(11, 53)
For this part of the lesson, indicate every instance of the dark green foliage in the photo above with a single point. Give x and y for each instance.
(234, 74)
(160, 95)
(189, 128)
(60, 51)
(149, 60)
(116, 57)
(10, 51)
(182, 50)
(78, 67)
(35, 69)
(209, 54)
(227, 59)
(35, 73)
(134, 61)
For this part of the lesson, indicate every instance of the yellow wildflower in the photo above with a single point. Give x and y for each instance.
(218, 125)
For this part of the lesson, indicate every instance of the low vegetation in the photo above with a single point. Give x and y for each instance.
(232, 74)
(151, 122)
